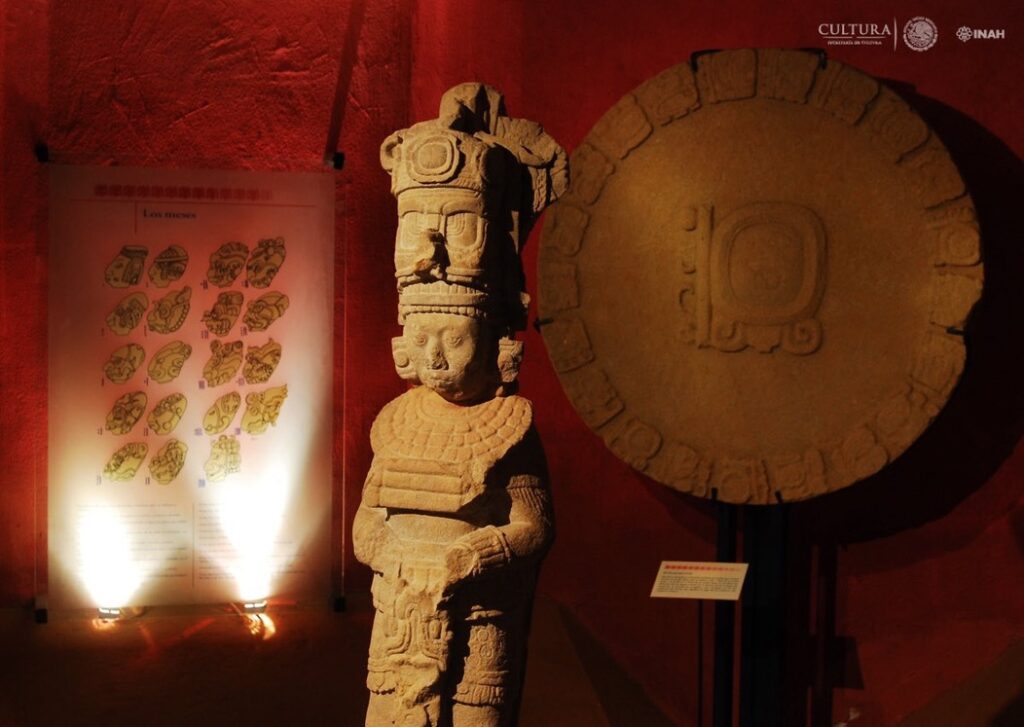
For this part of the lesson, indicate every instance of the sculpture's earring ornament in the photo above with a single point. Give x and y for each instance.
(510, 356)
(403, 364)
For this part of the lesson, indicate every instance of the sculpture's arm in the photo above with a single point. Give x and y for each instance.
(371, 536)
(524, 539)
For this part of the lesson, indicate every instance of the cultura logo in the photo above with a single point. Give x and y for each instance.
(920, 33)
(857, 33)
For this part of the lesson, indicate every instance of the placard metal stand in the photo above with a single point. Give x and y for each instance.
(762, 647)
(725, 623)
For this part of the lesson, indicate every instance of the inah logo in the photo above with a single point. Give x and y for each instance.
(920, 33)
(965, 33)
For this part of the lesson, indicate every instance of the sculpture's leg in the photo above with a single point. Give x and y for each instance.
(478, 715)
(387, 710)
(380, 677)
(408, 657)
(486, 691)
(380, 710)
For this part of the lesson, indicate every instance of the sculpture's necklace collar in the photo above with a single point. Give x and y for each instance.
(422, 425)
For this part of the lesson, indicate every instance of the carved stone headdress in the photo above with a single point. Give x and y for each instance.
(469, 185)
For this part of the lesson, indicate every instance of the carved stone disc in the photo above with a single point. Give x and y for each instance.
(757, 283)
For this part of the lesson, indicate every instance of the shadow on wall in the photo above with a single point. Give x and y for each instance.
(955, 457)
(991, 697)
(1013, 715)
(982, 422)
(624, 702)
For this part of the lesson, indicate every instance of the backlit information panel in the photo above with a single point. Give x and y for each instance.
(190, 386)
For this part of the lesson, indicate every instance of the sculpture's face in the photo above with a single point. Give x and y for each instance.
(450, 354)
(441, 236)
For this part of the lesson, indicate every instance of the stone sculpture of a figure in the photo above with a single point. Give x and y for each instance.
(455, 513)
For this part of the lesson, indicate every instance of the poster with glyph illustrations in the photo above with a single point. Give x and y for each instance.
(189, 386)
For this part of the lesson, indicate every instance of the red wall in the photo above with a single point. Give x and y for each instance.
(928, 564)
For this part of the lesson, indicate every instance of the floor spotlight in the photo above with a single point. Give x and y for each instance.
(108, 613)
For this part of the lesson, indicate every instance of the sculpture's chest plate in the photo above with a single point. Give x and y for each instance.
(416, 484)
(434, 456)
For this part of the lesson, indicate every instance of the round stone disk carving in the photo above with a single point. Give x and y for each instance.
(756, 286)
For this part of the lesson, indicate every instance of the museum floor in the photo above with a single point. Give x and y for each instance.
(301, 667)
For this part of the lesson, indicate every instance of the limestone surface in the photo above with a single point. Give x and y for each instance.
(456, 512)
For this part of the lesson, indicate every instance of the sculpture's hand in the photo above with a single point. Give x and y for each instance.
(461, 562)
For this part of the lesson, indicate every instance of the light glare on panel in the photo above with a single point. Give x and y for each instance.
(110, 573)
(251, 513)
